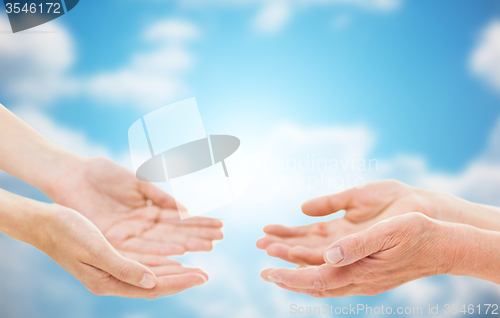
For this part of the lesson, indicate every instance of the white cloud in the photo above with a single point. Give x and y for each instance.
(479, 181)
(442, 290)
(492, 154)
(172, 31)
(485, 60)
(341, 21)
(152, 78)
(33, 64)
(28, 276)
(274, 15)
(35, 67)
(379, 5)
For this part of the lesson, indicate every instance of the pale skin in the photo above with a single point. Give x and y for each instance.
(117, 203)
(371, 248)
(127, 216)
(78, 246)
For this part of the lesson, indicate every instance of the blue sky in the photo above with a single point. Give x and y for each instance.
(405, 82)
(405, 72)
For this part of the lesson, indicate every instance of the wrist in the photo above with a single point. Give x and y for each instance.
(455, 252)
(40, 218)
(28, 155)
(24, 219)
(443, 206)
(473, 252)
(431, 203)
(449, 208)
(443, 244)
(65, 164)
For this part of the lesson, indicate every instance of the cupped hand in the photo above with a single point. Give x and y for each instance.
(379, 258)
(133, 215)
(78, 246)
(304, 245)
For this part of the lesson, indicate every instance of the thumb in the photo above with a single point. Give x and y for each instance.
(330, 204)
(357, 246)
(126, 270)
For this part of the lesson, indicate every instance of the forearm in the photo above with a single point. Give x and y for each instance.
(23, 219)
(474, 252)
(452, 209)
(28, 155)
(483, 216)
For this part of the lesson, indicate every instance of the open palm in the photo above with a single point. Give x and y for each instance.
(136, 217)
(377, 201)
(304, 245)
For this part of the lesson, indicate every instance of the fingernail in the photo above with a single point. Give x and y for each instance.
(334, 255)
(204, 278)
(148, 281)
(274, 279)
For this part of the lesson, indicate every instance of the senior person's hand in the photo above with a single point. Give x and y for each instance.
(78, 246)
(304, 245)
(377, 201)
(391, 253)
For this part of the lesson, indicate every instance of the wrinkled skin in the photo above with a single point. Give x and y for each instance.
(304, 245)
(379, 258)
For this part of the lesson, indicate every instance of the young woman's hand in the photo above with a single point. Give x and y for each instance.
(107, 194)
(78, 246)
(133, 215)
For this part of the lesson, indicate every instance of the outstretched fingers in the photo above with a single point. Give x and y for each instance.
(320, 278)
(176, 269)
(165, 285)
(344, 291)
(145, 246)
(286, 231)
(149, 259)
(310, 256)
(166, 230)
(331, 203)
